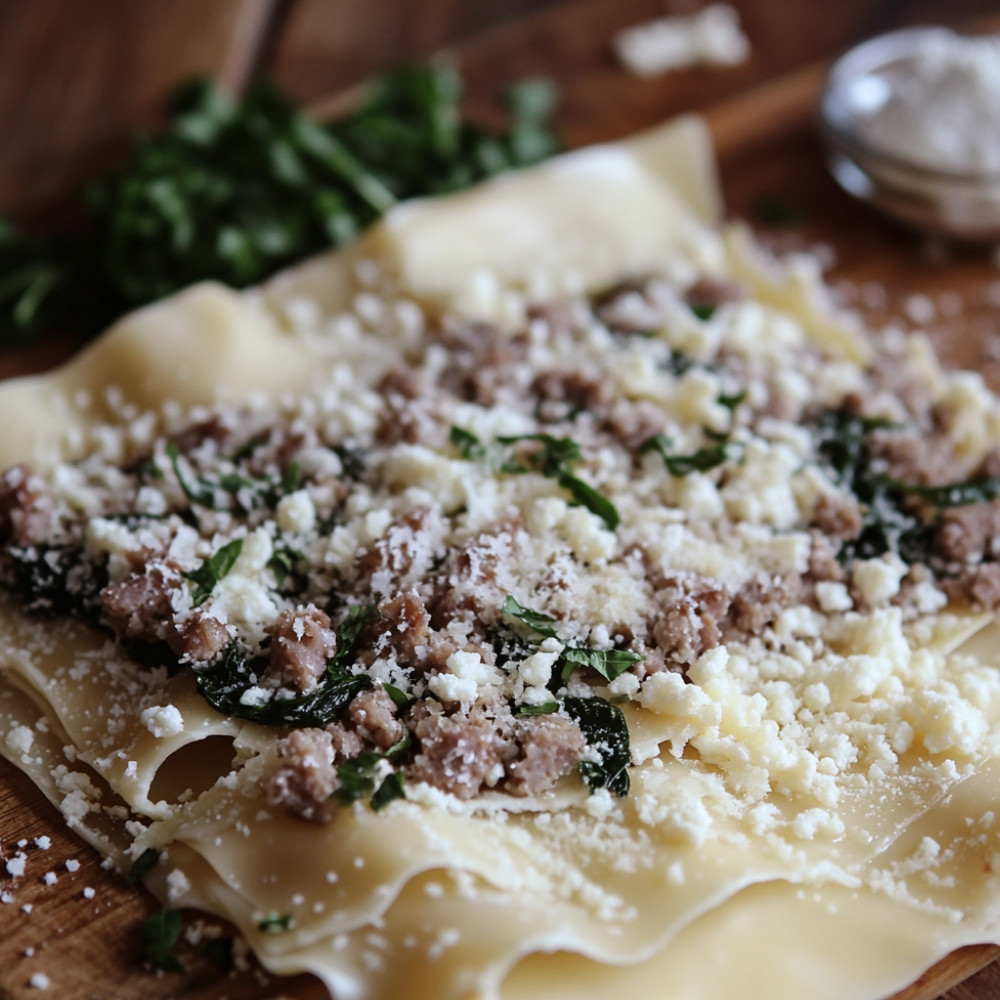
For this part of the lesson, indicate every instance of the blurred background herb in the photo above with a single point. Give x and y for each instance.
(234, 190)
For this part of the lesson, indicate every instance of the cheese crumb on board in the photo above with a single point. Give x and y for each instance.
(711, 37)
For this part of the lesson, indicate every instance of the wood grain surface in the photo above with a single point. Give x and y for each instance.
(74, 85)
(79, 78)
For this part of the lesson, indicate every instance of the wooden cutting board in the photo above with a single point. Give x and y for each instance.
(768, 149)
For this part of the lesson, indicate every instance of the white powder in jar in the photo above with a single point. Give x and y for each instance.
(939, 106)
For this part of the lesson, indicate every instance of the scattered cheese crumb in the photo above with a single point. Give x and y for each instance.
(15, 865)
(712, 37)
(177, 885)
(162, 720)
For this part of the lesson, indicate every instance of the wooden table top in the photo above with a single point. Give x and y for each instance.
(78, 78)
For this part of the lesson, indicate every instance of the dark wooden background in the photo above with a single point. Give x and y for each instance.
(77, 77)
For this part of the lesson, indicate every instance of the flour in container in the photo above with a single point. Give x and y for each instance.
(939, 106)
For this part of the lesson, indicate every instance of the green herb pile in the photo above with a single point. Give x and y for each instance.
(235, 190)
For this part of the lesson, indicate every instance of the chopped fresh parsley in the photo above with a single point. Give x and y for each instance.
(704, 459)
(467, 444)
(535, 620)
(234, 190)
(213, 571)
(283, 564)
(584, 495)
(609, 663)
(545, 708)
(554, 458)
(291, 478)
(400, 699)
(704, 310)
(142, 865)
(731, 402)
(203, 494)
(358, 777)
(231, 491)
(606, 731)
(275, 923)
(551, 458)
(160, 934)
(680, 364)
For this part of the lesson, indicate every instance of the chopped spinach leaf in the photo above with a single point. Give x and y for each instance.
(889, 521)
(358, 616)
(606, 731)
(275, 923)
(959, 494)
(842, 441)
(609, 663)
(392, 788)
(225, 685)
(132, 519)
(704, 310)
(142, 865)
(535, 620)
(212, 571)
(160, 934)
